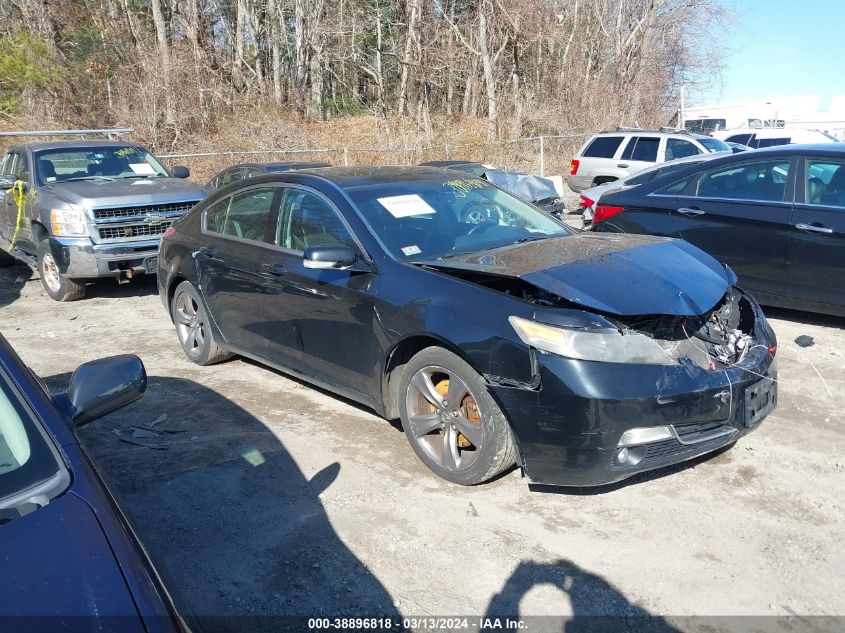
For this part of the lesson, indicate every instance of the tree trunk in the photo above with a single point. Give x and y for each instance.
(164, 57)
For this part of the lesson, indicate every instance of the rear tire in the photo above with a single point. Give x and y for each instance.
(193, 327)
(466, 441)
(60, 287)
(600, 180)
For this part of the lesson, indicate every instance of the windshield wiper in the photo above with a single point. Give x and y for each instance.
(87, 178)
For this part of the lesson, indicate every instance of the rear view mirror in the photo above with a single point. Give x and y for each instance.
(180, 171)
(102, 386)
(329, 256)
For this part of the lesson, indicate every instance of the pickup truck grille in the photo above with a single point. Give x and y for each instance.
(156, 209)
(132, 231)
(144, 222)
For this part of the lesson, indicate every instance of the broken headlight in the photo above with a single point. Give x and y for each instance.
(603, 345)
(68, 223)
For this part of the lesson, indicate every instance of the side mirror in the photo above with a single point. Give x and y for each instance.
(180, 171)
(329, 256)
(102, 386)
(6, 182)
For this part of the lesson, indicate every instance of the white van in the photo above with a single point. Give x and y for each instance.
(757, 137)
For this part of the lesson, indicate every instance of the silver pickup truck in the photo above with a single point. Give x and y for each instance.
(78, 210)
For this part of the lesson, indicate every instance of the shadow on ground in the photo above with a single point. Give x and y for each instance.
(239, 530)
(597, 606)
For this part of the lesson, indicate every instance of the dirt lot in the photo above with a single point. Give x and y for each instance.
(276, 498)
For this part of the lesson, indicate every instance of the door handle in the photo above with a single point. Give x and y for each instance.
(812, 228)
(623, 165)
(688, 211)
(272, 269)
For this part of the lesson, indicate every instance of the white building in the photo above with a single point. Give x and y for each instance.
(806, 111)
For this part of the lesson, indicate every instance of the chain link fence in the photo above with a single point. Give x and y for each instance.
(546, 155)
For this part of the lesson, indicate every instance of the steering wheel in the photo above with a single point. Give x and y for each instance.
(480, 228)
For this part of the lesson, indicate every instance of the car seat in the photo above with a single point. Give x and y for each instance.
(46, 168)
(816, 189)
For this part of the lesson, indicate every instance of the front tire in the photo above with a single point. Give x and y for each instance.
(60, 287)
(193, 327)
(451, 421)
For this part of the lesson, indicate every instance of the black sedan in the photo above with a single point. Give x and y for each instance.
(70, 561)
(583, 358)
(250, 170)
(776, 216)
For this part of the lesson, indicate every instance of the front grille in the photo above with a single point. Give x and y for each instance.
(692, 433)
(664, 448)
(131, 231)
(153, 209)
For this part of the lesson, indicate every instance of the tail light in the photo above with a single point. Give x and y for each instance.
(586, 202)
(573, 166)
(604, 211)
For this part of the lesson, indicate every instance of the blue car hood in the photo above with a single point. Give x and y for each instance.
(622, 274)
(56, 563)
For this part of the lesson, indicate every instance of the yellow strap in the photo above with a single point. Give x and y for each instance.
(19, 196)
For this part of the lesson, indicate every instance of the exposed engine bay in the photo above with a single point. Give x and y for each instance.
(719, 338)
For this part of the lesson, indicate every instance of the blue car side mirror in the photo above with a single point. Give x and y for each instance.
(102, 386)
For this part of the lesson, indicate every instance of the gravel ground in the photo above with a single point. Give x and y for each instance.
(273, 497)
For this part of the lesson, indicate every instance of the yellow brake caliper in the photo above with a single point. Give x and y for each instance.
(468, 408)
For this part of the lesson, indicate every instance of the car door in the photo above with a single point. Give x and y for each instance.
(816, 251)
(322, 320)
(230, 264)
(740, 213)
(15, 167)
(641, 152)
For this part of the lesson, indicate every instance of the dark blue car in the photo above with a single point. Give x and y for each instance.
(68, 558)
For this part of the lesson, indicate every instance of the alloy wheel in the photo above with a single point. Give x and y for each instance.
(50, 273)
(191, 325)
(444, 418)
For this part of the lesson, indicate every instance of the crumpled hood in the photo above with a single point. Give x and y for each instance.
(128, 192)
(622, 274)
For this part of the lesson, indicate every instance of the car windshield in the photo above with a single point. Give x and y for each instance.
(96, 163)
(714, 145)
(418, 221)
(25, 457)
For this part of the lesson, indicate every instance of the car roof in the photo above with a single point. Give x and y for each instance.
(80, 144)
(449, 163)
(279, 165)
(355, 177)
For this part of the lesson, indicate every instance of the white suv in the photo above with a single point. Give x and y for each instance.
(615, 154)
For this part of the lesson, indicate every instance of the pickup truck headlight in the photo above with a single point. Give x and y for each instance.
(68, 223)
(603, 345)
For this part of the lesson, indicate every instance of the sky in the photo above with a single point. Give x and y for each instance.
(782, 48)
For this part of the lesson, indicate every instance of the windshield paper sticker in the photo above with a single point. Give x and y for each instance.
(463, 185)
(405, 206)
(142, 169)
(411, 250)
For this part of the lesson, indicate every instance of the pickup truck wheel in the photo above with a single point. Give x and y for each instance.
(193, 328)
(58, 286)
(450, 419)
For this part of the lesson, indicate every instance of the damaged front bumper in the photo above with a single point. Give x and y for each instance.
(571, 424)
(79, 258)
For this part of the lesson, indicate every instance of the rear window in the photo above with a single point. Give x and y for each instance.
(603, 147)
(642, 148)
(714, 145)
(742, 139)
(772, 142)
